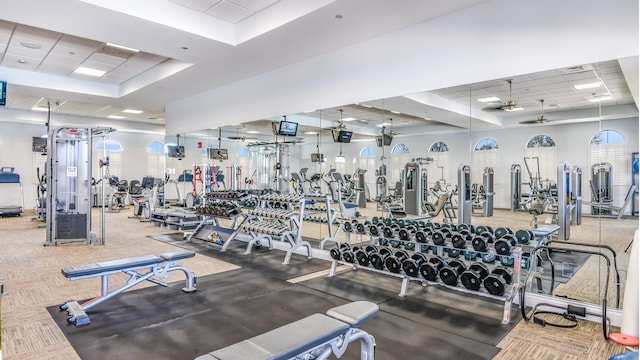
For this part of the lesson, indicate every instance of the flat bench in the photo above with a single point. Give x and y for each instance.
(157, 268)
(317, 336)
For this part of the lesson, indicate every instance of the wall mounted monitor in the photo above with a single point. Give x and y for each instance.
(384, 140)
(174, 151)
(3, 92)
(288, 128)
(218, 154)
(317, 158)
(342, 136)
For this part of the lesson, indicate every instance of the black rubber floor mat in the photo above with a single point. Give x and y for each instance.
(469, 316)
(163, 323)
(268, 262)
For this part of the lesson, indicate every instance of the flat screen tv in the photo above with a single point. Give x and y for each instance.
(218, 154)
(288, 128)
(3, 92)
(174, 151)
(384, 140)
(342, 136)
(317, 157)
(38, 144)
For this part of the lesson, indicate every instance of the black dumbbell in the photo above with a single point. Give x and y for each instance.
(349, 225)
(453, 253)
(496, 283)
(394, 262)
(429, 269)
(524, 236)
(458, 241)
(406, 233)
(377, 259)
(481, 242)
(349, 255)
(390, 230)
(502, 231)
(363, 255)
(472, 277)
(423, 235)
(411, 266)
(336, 253)
(504, 244)
(450, 273)
(440, 236)
(373, 229)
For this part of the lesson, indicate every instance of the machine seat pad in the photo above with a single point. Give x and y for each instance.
(177, 255)
(110, 266)
(354, 313)
(284, 342)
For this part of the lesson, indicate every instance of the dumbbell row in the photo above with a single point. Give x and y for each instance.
(272, 213)
(462, 239)
(282, 198)
(226, 194)
(450, 272)
(219, 208)
(265, 227)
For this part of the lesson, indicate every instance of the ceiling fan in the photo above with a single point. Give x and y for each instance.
(341, 124)
(507, 106)
(242, 137)
(541, 119)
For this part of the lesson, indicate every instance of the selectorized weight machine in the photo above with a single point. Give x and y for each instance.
(68, 214)
(464, 194)
(482, 194)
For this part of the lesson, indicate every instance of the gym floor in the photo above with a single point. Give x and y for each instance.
(32, 281)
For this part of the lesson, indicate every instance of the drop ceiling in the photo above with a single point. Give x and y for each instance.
(40, 53)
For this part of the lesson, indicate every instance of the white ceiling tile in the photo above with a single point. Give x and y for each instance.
(197, 5)
(113, 61)
(254, 5)
(229, 12)
(13, 61)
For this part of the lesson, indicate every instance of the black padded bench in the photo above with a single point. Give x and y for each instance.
(317, 336)
(157, 268)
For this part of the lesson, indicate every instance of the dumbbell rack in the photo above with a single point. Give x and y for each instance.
(331, 215)
(507, 298)
(210, 222)
(265, 222)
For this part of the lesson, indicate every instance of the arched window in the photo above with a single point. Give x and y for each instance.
(113, 151)
(368, 152)
(155, 159)
(439, 147)
(486, 144)
(485, 155)
(541, 153)
(400, 149)
(399, 157)
(244, 153)
(610, 146)
(440, 168)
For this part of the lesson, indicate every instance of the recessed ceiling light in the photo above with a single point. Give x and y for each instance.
(22, 61)
(587, 85)
(39, 108)
(601, 98)
(122, 47)
(514, 109)
(309, 111)
(348, 119)
(311, 133)
(116, 117)
(131, 111)
(252, 132)
(88, 71)
(489, 99)
(30, 45)
(427, 119)
(394, 112)
(365, 105)
(338, 16)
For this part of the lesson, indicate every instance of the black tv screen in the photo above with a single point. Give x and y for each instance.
(218, 154)
(384, 140)
(3, 92)
(288, 128)
(174, 151)
(316, 157)
(342, 136)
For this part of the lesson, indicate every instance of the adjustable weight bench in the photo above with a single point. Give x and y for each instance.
(317, 336)
(156, 266)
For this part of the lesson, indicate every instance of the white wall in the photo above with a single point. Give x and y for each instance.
(15, 145)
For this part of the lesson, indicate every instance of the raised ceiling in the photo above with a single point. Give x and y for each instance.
(244, 46)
